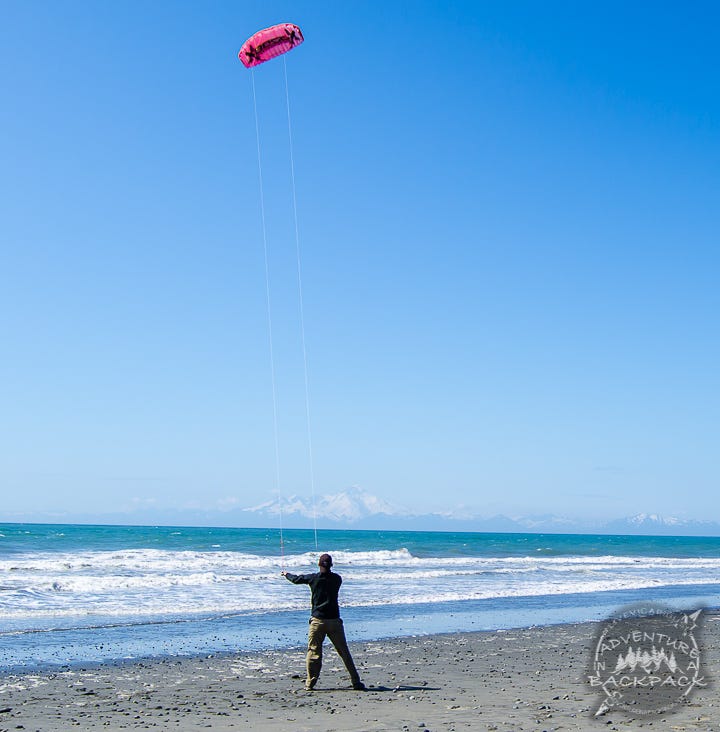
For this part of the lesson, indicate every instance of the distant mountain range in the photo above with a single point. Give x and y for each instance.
(356, 508)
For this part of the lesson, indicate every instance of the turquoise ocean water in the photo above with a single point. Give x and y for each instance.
(78, 594)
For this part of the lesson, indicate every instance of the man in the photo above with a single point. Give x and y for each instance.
(325, 621)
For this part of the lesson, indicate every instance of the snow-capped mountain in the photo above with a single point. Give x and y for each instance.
(642, 519)
(652, 523)
(350, 506)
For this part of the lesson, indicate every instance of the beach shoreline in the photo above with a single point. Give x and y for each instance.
(524, 679)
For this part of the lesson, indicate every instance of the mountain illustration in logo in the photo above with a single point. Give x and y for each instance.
(647, 661)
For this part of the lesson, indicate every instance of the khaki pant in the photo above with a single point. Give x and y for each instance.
(334, 630)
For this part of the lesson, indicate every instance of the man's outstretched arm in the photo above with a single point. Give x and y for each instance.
(296, 579)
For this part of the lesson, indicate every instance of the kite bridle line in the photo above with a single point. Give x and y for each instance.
(302, 312)
(269, 320)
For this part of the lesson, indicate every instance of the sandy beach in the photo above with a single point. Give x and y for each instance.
(529, 679)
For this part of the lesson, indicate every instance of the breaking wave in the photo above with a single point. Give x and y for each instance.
(136, 583)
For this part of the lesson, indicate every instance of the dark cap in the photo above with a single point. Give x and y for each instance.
(325, 561)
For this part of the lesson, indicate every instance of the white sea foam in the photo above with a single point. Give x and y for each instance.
(152, 582)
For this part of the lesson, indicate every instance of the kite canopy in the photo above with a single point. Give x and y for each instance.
(269, 43)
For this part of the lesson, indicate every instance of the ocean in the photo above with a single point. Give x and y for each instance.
(84, 594)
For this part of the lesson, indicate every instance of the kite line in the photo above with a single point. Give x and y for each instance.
(302, 310)
(269, 321)
(259, 48)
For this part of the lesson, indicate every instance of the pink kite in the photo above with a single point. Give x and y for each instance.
(269, 43)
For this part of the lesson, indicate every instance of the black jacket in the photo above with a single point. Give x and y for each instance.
(325, 587)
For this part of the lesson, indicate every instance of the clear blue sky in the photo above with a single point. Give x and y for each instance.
(509, 218)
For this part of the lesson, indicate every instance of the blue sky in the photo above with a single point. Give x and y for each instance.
(509, 227)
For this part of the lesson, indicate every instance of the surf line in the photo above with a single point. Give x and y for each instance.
(273, 378)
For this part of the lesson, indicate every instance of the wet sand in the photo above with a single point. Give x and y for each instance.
(530, 679)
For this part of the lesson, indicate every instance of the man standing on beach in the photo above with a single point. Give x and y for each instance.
(325, 621)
